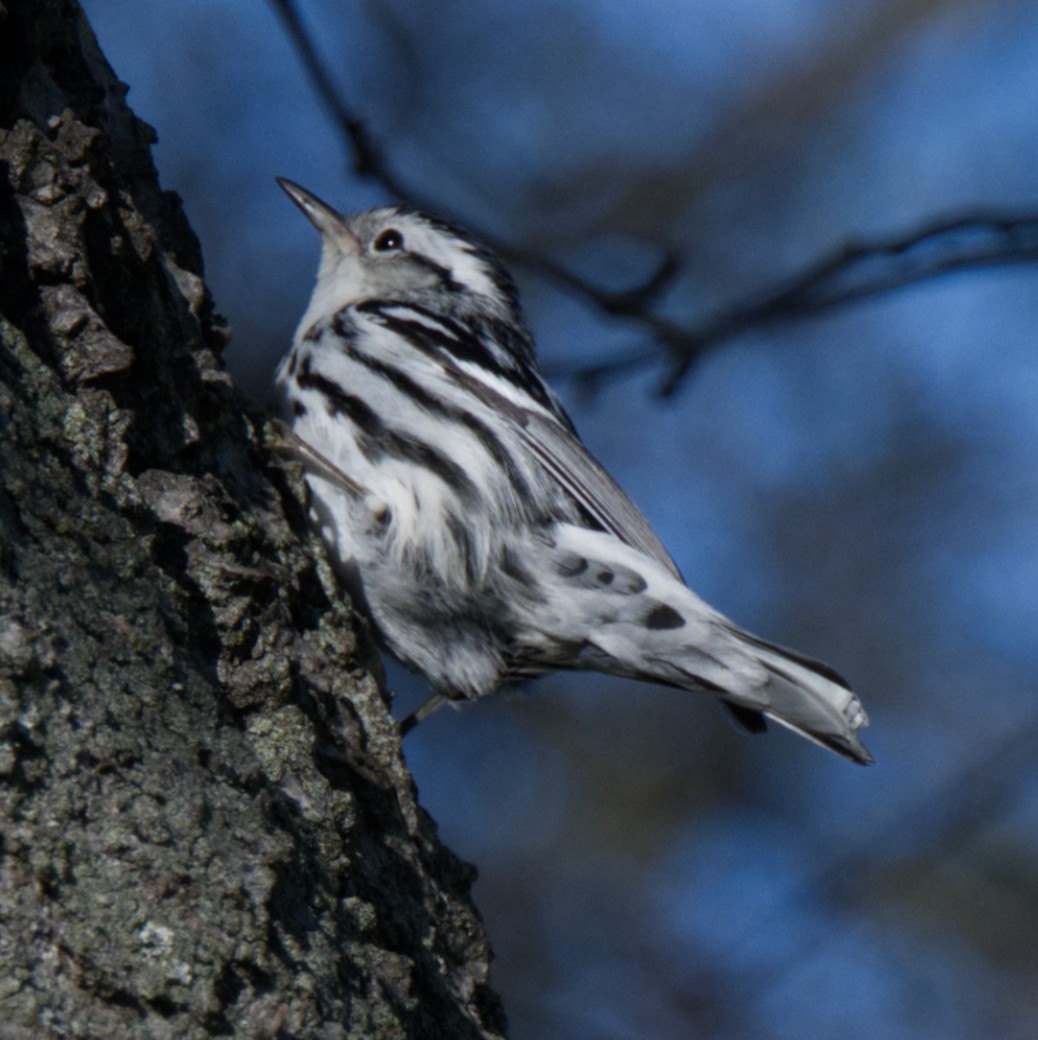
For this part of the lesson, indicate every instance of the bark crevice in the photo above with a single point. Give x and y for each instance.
(206, 824)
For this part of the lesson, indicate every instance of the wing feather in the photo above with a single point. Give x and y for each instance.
(544, 429)
(563, 455)
(552, 443)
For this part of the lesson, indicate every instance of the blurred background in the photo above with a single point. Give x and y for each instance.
(862, 486)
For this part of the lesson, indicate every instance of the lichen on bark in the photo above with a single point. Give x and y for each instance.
(207, 827)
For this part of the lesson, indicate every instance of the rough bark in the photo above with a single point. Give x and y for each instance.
(206, 824)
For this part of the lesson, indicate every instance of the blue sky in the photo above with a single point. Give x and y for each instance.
(863, 485)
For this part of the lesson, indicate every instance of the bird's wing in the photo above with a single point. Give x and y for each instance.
(548, 436)
(551, 442)
(564, 456)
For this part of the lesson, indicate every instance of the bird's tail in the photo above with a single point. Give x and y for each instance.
(628, 614)
(801, 694)
(757, 681)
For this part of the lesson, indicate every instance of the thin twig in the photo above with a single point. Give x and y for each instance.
(858, 272)
(371, 163)
(855, 272)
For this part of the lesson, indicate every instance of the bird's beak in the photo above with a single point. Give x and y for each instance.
(334, 227)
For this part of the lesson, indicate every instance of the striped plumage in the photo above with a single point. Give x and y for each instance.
(468, 519)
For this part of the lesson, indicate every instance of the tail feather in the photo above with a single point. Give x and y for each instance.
(749, 719)
(807, 697)
(613, 609)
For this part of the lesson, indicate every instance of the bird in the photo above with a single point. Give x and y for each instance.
(462, 511)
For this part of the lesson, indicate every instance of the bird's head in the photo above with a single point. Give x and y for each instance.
(400, 253)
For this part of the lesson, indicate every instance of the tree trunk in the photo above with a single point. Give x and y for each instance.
(206, 824)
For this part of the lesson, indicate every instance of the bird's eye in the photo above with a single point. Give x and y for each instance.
(389, 240)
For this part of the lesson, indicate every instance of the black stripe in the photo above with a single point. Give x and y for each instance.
(489, 440)
(377, 440)
(812, 665)
(442, 330)
(493, 267)
(470, 341)
(462, 539)
(447, 280)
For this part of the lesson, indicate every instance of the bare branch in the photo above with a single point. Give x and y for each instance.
(857, 272)
(854, 272)
(367, 160)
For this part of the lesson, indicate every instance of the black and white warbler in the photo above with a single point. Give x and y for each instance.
(467, 517)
